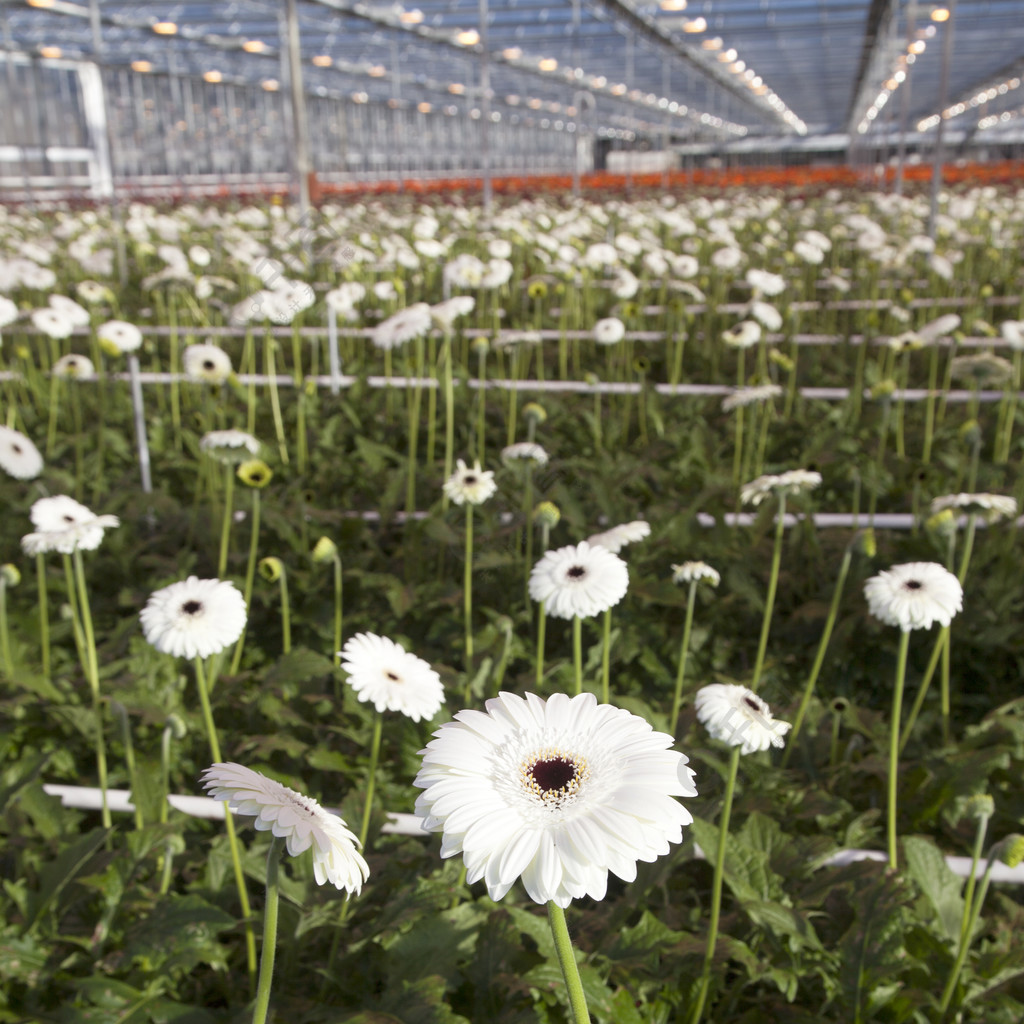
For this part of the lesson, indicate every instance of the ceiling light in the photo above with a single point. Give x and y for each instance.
(40, 3)
(254, 46)
(738, 66)
(142, 66)
(673, 5)
(50, 52)
(413, 17)
(424, 108)
(213, 77)
(711, 44)
(697, 25)
(468, 38)
(323, 60)
(456, 88)
(534, 103)
(617, 90)
(547, 64)
(512, 53)
(918, 46)
(728, 56)
(165, 28)
(376, 71)
(940, 14)
(270, 84)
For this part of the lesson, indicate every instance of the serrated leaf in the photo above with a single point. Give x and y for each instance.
(297, 666)
(180, 933)
(56, 875)
(420, 1002)
(928, 867)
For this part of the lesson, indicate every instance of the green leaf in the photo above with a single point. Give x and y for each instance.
(56, 875)
(437, 943)
(419, 1002)
(296, 667)
(928, 867)
(180, 933)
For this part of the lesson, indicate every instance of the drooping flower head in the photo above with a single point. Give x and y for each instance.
(524, 451)
(385, 674)
(742, 397)
(194, 618)
(737, 716)
(64, 525)
(74, 367)
(229, 446)
(615, 539)
(403, 326)
(19, 457)
(579, 580)
(991, 507)
(700, 572)
(793, 481)
(557, 792)
(914, 595)
(474, 485)
(298, 819)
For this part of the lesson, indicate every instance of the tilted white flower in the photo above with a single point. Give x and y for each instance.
(557, 792)
(742, 397)
(914, 595)
(990, 507)
(745, 334)
(207, 363)
(64, 525)
(194, 618)
(411, 322)
(524, 451)
(609, 331)
(699, 572)
(615, 539)
(19, 457)
(298, 819)
(229, 445)
(793, 481)
(117, 337)
(736, 716)
(385, 674)
(74, 367)
(579, 580)
(474, 485)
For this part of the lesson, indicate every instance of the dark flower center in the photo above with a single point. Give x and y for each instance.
(752, 704)
(469, 478)
(16, 448)
(393, 676)
(192, 607)
(577, 572)
(913, 584)
(208, 364)
(554, 774)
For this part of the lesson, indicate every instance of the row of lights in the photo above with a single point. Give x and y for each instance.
(976, 100)
(899, 75)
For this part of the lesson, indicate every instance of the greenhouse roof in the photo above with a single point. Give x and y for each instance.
(754, 68)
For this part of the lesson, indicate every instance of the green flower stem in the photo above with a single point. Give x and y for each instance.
(567, 961)
(92, 672)
(833, 747)
(249, 365)
(467, 592)
(940, 641)
(819, 658)
(894, 744)
(431, 401)
(528, 526)
(44, 615)
(76, 619)
(275, 398)
(175, 367)
(684, 650)
(416, 399)
(769, 604)
(5, 639)
(229, 823)
(286, 617)
(449, 413)
(577, 651)
(364, 828)
(513, 396)
(1005, 438)
(597, 420)
(606, 653)
(481, 402)
(767, 413)
(337, 609)
(250, 572)
(542, 620)
(965, 941)
(389, 391)
(499, 672)
(904, 376)
(929, 408)
(259, 1011)
(129, 756)
(225, 526)
(883, 433)
(679, 337)
(51, 426)
(979, 845)
(737, 455)
(716, 886)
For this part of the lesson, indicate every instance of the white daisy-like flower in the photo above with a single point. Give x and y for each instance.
(117, 337)
(941, 327)
(229, 445)
(807, 252)
(764, 282)
(728, 258)
(615, 539)
(474, 485)
(444, 313)
(737, 716)
(77, 314)
(92, 292)
(298, 819)
(52, 322)
(793, 481)
(765, 314)
(749, 396)
(65, 525)
(385, 674)
(699, 572)
(745, 334)
(609, 331)
(74, 367)
(984, 369)
(19, 457)
(600, 254)
(579, 580)
(1012, 332)
(8, 311)
(209, 364)
(556, 792)
(524, 451)
(403, 326)
(991, 507)
(194, 618)
(914, 595)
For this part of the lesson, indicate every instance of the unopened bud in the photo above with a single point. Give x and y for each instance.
(271, 568)
(547, 514)
(325, 550)
(10, 574)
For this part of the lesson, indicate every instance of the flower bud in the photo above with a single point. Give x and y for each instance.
(942, 525)
(981, 805)
(547, 514)
(254, 473)
(271, 568)
(10, 574)
(535, 411)
(176, 725)
(325, 550)
(865, 543)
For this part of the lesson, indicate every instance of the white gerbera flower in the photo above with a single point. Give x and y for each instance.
(738, 717)
(609, 331)
(765, 283)
(474, 485)
(990, 507)
(793, 481)
(65, 525)
(700, 572)
(728, 258)
(194, 618)
(914, 595)
(78, 315)
(52, 322)
(117, 337)
(206, 363)
(745, 334)
(229, 445)
(749, 396)
(524, 451)
(557, 792)
(74, 367)
(19, 457)
(444, 313)
(615, 539)
(403, 326)
(765, 314)
(297, 819)
(579, 581)
(385, 674)
(941, 327)
(8, 311)
(1012, 332)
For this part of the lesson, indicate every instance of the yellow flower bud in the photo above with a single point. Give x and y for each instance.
(535, 411)
(271, 568)
(254, 473)
(325, 550)
(546, 514)
(10, 574)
